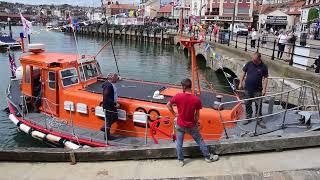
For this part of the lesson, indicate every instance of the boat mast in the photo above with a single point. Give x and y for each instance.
(189, 43)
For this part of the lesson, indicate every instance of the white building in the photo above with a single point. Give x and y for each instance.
(94, 15)
(151, 8)
(305, 11)
(276, 19)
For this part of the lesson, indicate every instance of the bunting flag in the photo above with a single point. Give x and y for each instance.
(207, 47)
(12, 65)
(27, 25)
(213, 54)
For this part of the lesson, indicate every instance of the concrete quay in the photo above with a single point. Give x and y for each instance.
(162, 151)
(301, 164)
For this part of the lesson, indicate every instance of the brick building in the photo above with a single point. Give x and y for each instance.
(222, 11)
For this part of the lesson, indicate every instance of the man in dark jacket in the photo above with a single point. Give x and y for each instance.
(254, 80)
(110, 102)
(317, 64)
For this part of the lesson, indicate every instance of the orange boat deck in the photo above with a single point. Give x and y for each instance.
(143, 91)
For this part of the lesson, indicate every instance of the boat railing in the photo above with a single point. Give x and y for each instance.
(298, 101)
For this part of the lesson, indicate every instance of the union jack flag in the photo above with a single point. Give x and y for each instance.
(12, 65)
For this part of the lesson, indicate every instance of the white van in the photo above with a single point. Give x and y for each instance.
(239, 29)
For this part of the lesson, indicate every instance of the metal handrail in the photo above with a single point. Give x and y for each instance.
(302, 88)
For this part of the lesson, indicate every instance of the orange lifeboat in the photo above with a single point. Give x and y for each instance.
(69, 89)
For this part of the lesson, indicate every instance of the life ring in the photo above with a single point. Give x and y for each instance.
(153, 115)
(140, 109)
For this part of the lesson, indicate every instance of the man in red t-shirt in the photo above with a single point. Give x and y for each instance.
(188, 106)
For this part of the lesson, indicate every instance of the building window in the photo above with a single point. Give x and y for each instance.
(248, 1)
(228, 10)
(243, 10)
(231, 1)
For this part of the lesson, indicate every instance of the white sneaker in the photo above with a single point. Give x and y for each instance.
(181, 163)
(212, 158)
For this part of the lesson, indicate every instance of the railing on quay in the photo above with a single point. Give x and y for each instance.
(267, 46)
(284, 107)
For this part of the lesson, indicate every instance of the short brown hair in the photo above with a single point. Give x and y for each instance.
(258, 55)
(186, 83)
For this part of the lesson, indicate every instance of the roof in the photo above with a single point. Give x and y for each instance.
(297, 4)
(266, 9)
(123, 6)
(311, 5)
(165, 9)
(295, 12)
(47, 58)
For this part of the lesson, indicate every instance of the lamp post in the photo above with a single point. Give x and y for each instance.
(233, 17)
(9, 24)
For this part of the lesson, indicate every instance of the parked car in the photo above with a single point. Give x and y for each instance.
(239, 29)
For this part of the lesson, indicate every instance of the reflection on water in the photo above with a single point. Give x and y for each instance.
(145, 61)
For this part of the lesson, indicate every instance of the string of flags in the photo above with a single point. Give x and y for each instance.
(217, 57)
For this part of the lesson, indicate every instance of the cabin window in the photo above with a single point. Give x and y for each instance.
(89, 70)
(69, 77)
(52, 80)
(27, 75)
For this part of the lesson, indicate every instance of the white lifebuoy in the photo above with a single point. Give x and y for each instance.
(71, 145)
(13, 119)
(38, 135)
(53, 138)
(24, 128)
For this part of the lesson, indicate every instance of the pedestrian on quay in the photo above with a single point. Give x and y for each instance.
(264, 38)
(282, 40)
(215, 31)
(317, 65)
(254, 80)
(291, 40)
(110, 105)
(186, 121)
(254, 37)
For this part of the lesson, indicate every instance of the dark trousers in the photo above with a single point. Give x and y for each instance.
(280, 50)
(110, 119)
(249, 111)
(253, 43)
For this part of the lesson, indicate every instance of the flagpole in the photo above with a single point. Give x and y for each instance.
(11, 63)
(29, 39)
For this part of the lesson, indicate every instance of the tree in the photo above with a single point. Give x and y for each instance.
(313, 15)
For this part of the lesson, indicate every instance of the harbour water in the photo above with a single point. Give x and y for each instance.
(144, 61)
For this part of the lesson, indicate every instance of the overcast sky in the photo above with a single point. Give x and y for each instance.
(72, 2)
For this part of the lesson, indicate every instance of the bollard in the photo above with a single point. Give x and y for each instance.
(229, 39)
(236, 41)
(258, 45)
(246, 48)
(274, 48)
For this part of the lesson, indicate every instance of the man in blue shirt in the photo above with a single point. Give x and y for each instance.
(255, 73)
(110, 102)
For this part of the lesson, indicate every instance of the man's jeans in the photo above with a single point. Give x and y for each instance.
(194, 132)
(248, 103)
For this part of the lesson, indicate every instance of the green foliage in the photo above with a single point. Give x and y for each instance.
(313, 14)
